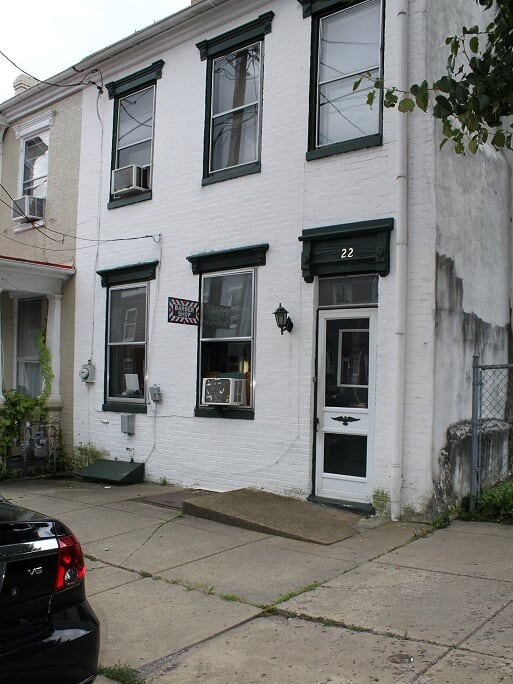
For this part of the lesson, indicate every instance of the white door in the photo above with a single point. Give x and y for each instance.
(345, 401)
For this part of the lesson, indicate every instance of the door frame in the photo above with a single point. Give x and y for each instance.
(360, 491)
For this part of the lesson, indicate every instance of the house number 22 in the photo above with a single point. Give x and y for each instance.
(347, 253)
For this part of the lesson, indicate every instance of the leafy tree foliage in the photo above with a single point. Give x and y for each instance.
(474, 99)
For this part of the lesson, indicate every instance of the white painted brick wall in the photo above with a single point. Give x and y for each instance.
(274, 451)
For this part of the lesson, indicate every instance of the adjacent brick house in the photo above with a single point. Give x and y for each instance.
(39, 161)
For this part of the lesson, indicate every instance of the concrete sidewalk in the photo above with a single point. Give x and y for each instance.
(185, 599)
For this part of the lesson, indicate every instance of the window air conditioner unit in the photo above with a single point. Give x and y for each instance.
(28, 208)
(224, 391)
(129, 180)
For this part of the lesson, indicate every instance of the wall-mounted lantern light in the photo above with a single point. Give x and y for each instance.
(282, 319)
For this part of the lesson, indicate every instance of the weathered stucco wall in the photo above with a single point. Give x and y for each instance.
(473, 268)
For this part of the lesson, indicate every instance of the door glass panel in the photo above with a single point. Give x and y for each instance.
(347, 363)
(345, 455)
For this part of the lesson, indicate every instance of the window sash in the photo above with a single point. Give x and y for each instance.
(140, 141)
(35, 165)
(121, 381)
(236, 142)
(326, 122)
(237, 350)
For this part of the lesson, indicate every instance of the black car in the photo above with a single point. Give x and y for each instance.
(48, 632)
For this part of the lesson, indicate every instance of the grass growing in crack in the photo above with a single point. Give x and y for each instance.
(231, 597)
(293, 594)
(121, 673)
(438, 524)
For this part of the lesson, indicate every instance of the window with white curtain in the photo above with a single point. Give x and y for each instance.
(347, 48)
(28, 367)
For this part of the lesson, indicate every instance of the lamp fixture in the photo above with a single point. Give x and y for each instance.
(282, 319)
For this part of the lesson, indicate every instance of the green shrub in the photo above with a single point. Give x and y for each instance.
(495, 504)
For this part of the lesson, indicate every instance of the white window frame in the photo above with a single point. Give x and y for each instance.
(25, 132)
(149, 139)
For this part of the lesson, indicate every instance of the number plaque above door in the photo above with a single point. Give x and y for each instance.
(347, 249)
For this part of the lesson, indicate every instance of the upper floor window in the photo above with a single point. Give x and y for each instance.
(35, 165)
(132, 144)
(233, 113)
(346, 47)
(29, 207)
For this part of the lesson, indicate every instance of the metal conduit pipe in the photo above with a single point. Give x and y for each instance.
(401, 260)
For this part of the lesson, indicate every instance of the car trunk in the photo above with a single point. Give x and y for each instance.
(28, 561)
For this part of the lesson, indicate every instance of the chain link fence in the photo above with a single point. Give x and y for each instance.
(492, 422)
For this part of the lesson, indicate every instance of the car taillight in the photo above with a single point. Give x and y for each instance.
(70, 565)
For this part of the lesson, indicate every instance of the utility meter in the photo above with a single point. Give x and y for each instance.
(87, 372)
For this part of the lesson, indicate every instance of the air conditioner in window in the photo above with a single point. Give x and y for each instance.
(28, 208)
(224, 391)
(129, 180)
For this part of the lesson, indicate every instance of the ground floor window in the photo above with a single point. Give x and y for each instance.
(28, 367)
(126, 343)
(227, 338)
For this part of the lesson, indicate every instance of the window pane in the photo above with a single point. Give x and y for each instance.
(236, 79)
(348, 291)
(135, 118)
(350, 41)
(126, 371)
(344, 114)
(347, 363)
(28, 372)
(227, 306)
(127, 315)
(227, 359)
(345, 455)
(35, 165)
(235, 138)
(29, 378)
(135, 154)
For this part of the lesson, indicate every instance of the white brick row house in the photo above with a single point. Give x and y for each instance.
(228, 170)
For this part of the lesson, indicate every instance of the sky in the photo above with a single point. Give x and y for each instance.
(45, 38)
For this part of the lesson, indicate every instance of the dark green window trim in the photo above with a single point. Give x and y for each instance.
(117, 89)
(234, 172)
(133, 199)
(220, 412)
(120, 407)
(235, 39)
(125, 275)
(347, 249)
(313, 7)
(140, 79)
(346, 146)
(318, 9)
(128, 274)
(239, 257)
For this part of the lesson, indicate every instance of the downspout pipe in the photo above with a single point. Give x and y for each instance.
(3, 129)
(401, 262)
